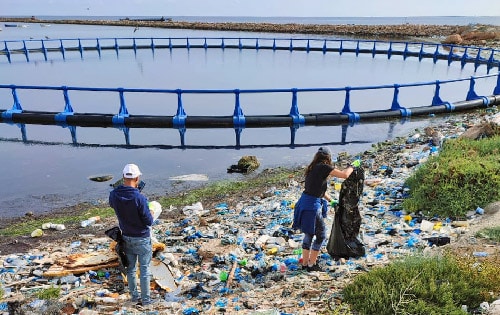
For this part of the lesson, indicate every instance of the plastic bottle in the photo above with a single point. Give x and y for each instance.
(69, 279)
(46, 226)
(49, 225)
(223, 276)
(90, 221)
(283, 268)
(480, 254)
(37, 233)
(106, 300)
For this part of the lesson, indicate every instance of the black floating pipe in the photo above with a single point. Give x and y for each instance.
(260, 121)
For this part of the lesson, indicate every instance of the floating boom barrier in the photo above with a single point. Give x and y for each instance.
(237, 120)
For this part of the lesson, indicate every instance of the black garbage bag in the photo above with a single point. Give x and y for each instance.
(343, 241)
(438, 240)
(116, 235)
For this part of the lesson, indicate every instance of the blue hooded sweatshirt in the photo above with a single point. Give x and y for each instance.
(131, 208)
(304, 215)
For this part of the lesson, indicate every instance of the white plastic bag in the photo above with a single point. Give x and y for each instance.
(155, 208)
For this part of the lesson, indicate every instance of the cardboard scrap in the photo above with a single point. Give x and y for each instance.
(162, 276)
(79, 260)
(60, 271)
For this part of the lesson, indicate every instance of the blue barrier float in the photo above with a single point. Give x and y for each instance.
(294, 119)
(483, 55)
(238, 120)
(68, 109)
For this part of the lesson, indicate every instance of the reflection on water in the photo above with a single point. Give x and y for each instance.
(48, 166)
(44, 175)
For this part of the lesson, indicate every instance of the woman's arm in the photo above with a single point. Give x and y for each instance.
(341, 174)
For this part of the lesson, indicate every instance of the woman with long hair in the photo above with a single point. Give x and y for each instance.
(312, 206)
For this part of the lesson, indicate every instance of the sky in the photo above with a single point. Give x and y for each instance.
(263, 8)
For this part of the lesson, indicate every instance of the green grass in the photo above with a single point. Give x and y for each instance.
(216, 190)
(28, 225)
(421, 285)
(490, 233)
(221, 189)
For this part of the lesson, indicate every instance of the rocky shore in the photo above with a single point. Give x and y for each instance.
(473, 34)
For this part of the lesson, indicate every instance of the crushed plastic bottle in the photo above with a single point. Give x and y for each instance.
(37, 233)
(75, 244)
(53, 226)
(190, 311)
(69, 279)
(15, 261)
(37, 303)
(480, 254)
(90, 221)
(223, 276)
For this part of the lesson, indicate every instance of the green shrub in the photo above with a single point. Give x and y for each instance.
(417, 285)
(490, 233)
(485, 269)
(465, 175)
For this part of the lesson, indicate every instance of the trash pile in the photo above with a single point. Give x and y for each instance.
(239, 259)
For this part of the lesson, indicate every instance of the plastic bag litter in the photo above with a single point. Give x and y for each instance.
(155, 208)
(194, 209)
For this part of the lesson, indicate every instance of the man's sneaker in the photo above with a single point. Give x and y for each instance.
(314, 268)
(150, 302)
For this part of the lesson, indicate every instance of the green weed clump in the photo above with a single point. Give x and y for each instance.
(490, 233)
(465, 175)
(418, 285)
(49, 293)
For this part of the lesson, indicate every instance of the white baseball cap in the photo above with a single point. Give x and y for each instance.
(131, 171)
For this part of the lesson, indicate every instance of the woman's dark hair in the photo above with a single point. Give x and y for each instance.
(319, 158)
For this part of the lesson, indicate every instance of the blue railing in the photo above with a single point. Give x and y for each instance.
(238, 120)
(436, 51)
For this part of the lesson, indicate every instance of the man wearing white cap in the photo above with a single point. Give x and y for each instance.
(135, 220)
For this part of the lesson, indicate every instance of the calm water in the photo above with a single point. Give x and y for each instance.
(47, 170)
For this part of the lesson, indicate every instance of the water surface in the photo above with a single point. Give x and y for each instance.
(46, 168)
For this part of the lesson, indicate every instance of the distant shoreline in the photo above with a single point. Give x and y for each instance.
(400, 31)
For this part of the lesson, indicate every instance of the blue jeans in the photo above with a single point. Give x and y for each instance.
(138, 248)
(319, 232)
